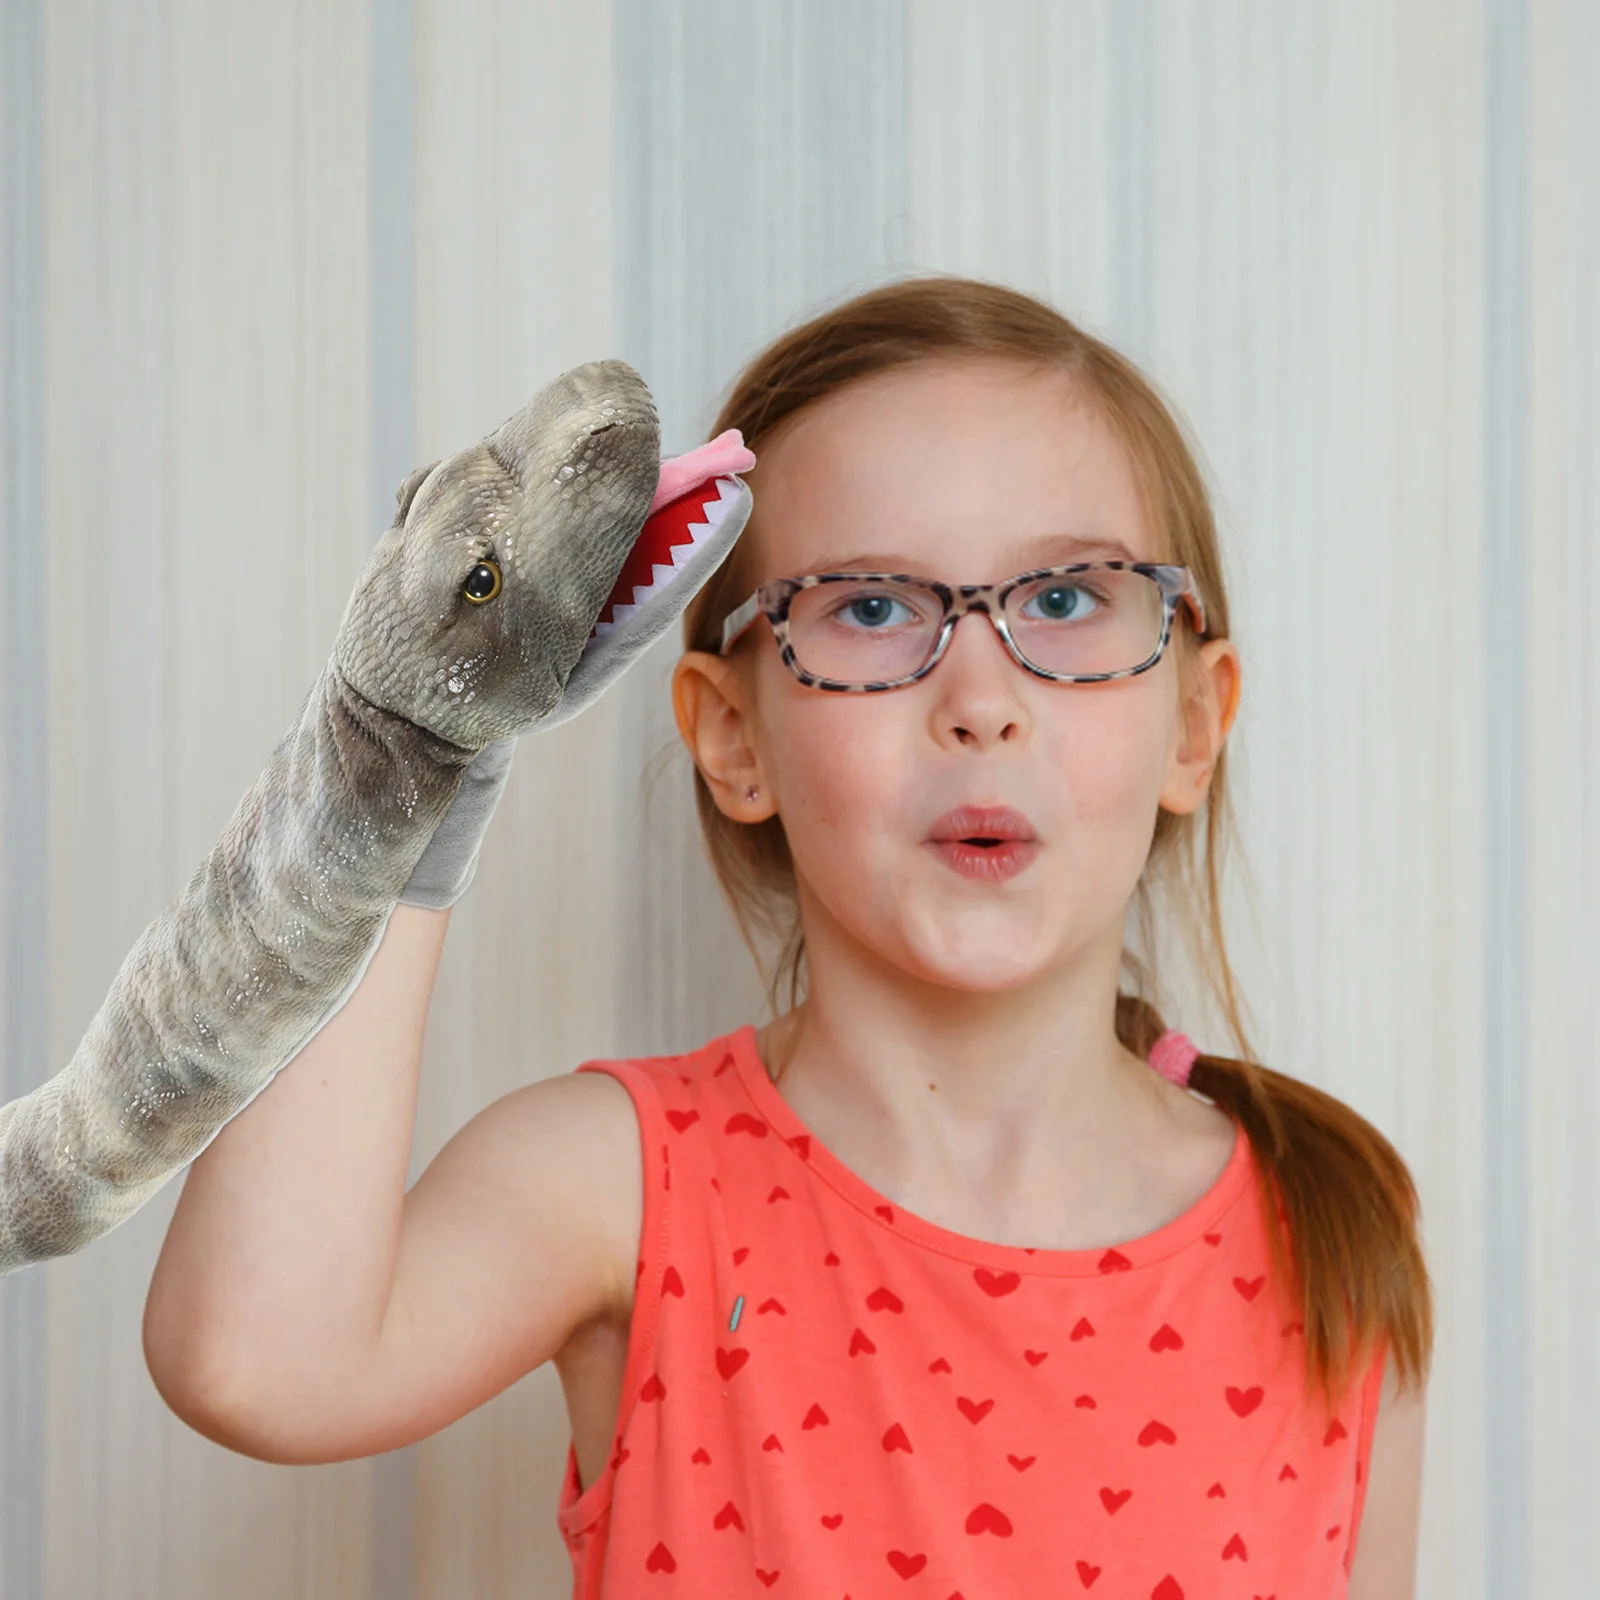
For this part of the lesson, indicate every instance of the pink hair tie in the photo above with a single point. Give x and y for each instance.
(1172, 1055)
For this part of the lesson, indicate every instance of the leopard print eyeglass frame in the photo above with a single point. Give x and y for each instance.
(774, 600)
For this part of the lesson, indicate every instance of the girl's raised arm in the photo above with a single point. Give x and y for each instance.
(305, 1308)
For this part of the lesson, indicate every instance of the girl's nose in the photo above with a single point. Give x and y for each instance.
(977, 698)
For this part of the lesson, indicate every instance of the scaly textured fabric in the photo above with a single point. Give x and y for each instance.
(826, 1395)
(520, 578)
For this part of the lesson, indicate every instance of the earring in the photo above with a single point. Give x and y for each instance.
(751, 793)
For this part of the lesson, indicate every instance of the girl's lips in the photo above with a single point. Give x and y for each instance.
(987, 843)
(981, 822)
(987, 863)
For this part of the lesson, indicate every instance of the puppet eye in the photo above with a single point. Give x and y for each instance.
(482, 583)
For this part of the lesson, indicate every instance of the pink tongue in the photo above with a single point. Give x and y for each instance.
(679, 474)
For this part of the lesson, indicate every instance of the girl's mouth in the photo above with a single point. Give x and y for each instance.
(990, 861)
(988, 843)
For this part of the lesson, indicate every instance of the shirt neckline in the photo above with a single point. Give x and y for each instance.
(1183, 1230)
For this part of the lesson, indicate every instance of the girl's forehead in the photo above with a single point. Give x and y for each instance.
(967, 471)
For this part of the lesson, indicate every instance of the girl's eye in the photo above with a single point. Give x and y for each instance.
(1061, 602)
(874, 611)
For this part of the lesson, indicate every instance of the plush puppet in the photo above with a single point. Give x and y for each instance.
(519, 578)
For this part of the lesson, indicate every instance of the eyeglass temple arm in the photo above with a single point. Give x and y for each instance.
(1190, 593)
(737, 621)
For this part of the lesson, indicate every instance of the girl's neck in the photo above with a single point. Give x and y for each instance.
(1012, 1116)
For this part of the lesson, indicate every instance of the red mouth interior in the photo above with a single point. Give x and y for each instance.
(663, 532)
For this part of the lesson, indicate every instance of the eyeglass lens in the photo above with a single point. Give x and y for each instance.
(873, 631)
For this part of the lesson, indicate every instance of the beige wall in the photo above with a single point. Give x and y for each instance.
(1281, 211)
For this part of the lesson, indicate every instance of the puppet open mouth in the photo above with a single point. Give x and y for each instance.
(693, 496)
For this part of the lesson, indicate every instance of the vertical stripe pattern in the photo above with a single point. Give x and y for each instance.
(24, 728)
(1506, 554)
(392, 269)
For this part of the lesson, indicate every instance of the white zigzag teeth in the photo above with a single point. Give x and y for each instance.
(716, 512)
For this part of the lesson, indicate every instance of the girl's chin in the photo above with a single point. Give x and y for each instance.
(975, 963)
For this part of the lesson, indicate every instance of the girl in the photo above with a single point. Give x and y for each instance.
(965, 1275)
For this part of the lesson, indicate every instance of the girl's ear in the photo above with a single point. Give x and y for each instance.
(709, 701)
(1207, 713)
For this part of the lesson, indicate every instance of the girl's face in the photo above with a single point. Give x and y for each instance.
(968, 471)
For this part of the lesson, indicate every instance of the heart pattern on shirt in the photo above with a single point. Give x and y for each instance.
(1130, 1392)
(985, 1518)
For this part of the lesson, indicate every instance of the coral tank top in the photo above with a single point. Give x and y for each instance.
(829, 1397)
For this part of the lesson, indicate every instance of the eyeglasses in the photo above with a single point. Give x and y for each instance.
(858, 632)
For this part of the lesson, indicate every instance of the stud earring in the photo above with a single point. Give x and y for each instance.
(751, 793)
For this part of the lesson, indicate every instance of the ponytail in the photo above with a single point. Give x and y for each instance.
(1342, 1213)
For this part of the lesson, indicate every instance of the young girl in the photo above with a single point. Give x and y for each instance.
(964, 1276)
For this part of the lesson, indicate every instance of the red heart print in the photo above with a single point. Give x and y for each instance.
(939, 1365)
(985, 1518)
(1114, 1500)
(730, 1361)
(1243, 1401)
(743, 1122)
(974, 1410)
(1167, 1589)
(1212, 1238)
(1166, 1337)
(768, 1578)
(768, 1306)
(833, 1522)
(1333, 1532)
(683, 1119)
(772, 1442)
(1216, 1492)
(801, 1145)
(652, 1389)
(1156, 1433)
(778, 1193)
(1087, 1574)
(830, 1260)
(740, 1254)
(861, 1344)
(1083, 1328)
(621, 1456)
(907, 1566)
(728, 1517)
(727, 1061)
(1234, 1550)
(1288, 1472)
(1022, 1463)
(700, 1458)
(714, 1184)
(1034, 1357)
(1086, 1402)
(671, 1283)
(1115, 1261)
(996, 1283)
(895, 1439)
(1336, 1431)
(660, 1560)
(887, 1213)
(1249, 1287)
(816, 1417)
(884, 1300)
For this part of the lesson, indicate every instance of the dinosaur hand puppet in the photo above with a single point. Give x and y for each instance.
(519, 579)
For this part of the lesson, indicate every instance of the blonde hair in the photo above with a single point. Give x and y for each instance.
(1346, 1251)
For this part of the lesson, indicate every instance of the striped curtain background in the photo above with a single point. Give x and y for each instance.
(256, 262)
